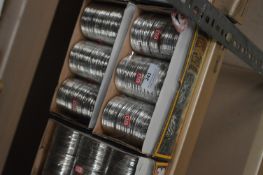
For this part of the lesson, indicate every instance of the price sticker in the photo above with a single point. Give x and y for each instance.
(78, 169)
(127, 120)
(149, 81)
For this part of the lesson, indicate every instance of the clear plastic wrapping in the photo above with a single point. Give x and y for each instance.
(77, 97)
(141, 77)
(127, 119)
(71, 152)
(98, 158)
(122, 164)
(92, 157)
(101, 22)
(63, 148)
(89, 60)
(153, 35)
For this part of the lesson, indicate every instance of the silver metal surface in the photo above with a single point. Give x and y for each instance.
(220, 28)
(89, 60)
(127, 119)
(153, 35)
(62, 151)
(77, 97)
(141, 77)
(101, 22)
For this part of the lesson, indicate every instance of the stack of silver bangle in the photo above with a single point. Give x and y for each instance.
(62, 152)
(122, 163)
(141, 77)
(92, 157)
(71, 152)
(127, 119)
(77, 97)
(96, 157)
(89, 60)
(154, 35)
(101, 22)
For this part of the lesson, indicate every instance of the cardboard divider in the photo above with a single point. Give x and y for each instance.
(173, 81)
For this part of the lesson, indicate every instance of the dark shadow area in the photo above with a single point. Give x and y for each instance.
(36, 110)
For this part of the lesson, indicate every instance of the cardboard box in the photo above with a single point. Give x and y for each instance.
(118, 53)
(192, 115)
(144, 165)
(206, 69)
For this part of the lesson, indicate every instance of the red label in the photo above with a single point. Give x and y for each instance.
(127, 120)
(138, 78)
(79, 169)
(74, 104)
(157, 34)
